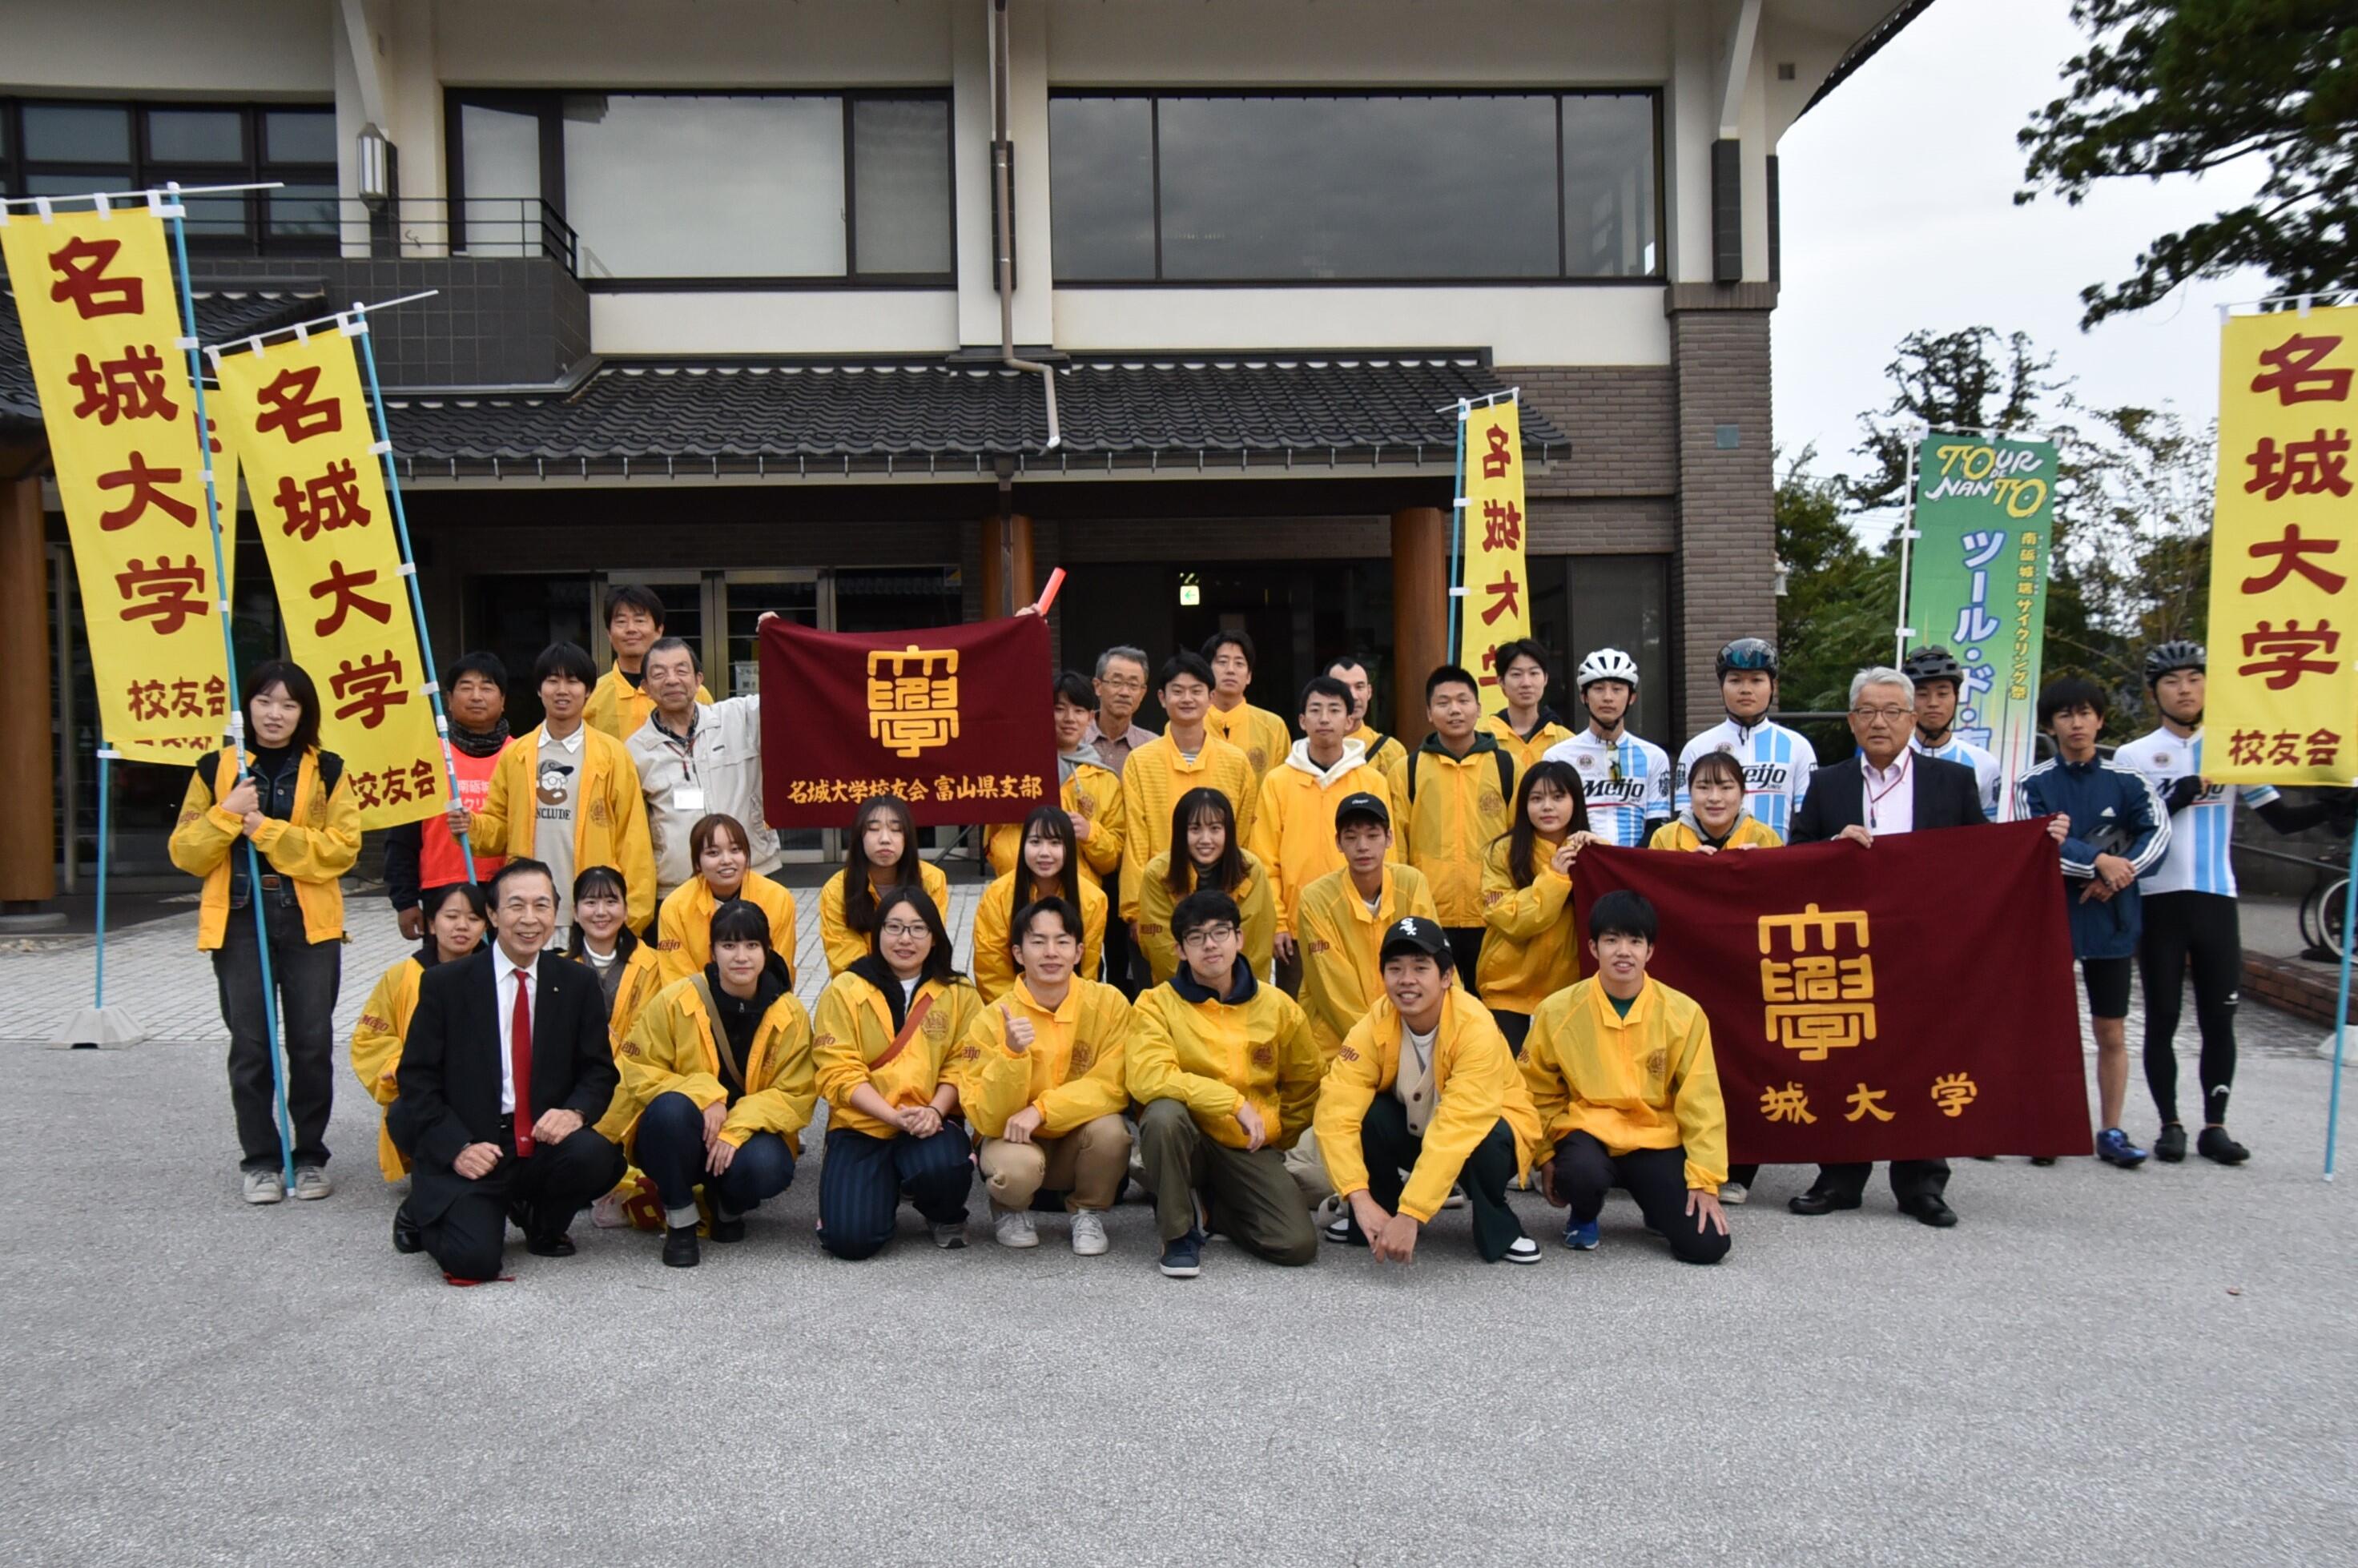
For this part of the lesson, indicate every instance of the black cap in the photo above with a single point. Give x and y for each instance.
(1417, 936)
(1371, 807)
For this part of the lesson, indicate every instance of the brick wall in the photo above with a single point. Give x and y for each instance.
(1723, 579)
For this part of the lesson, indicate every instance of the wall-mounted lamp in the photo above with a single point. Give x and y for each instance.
(376, 168)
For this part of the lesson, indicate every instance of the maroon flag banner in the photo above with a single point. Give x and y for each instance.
(954, 719)
(1907, 1001)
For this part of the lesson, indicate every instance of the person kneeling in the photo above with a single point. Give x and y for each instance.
(886, 1026)
(505, 1071)
(716, 1078)
(1425, 1083)
(1620, 1070)
(1229, 1075)
(1041, 1077)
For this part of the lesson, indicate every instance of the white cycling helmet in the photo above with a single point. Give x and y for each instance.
(1606, 664)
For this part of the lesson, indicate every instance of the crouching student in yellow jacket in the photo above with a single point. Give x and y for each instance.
(454, 928)
(886, 1026)
(1088, 791)
(1050, 853)
(1620, 1069)
(1528, 953)
(880, 858)
(1716, 818)
(1045, 1094)
(717, 1084)
(1426, 1084)
(1228, 1076)
(720, 850)
(1205, 853)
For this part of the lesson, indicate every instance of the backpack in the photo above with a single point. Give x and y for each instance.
(1506, 773)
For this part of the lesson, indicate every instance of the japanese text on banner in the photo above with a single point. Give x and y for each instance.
(2282, 697)
(103, 331)
(299, 418)
(1497, 605)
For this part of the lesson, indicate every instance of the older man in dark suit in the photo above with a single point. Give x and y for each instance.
(505, 1070)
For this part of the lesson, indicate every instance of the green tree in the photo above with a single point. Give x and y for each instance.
(1839, 600)
(1968, 380)
(2183, 87)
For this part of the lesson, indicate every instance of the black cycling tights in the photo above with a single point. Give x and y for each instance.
(2201, 926)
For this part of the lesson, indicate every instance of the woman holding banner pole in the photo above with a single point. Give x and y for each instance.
(294, 805)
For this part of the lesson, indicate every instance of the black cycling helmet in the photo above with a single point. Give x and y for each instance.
(1747, 653)
(1933, 662)
(2178, 654)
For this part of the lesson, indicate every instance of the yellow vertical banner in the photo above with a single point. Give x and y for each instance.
(2283, 695)
(103, 332)
(1496, 605)
(299, 421)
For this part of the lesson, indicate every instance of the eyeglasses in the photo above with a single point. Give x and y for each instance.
(1122, 683)
(1888, 715)
(1205, 937)
(906, 929)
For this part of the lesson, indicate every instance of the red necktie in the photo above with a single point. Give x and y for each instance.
(520, 1062)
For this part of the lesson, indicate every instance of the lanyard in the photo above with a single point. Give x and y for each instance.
(1906, 770)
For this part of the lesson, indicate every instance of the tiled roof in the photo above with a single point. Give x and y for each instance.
(221, 316)
(1254, 412)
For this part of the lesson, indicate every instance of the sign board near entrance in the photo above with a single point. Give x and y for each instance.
(951, 718)
(1496, 604)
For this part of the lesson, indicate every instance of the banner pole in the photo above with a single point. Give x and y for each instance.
(359, 327)
(2341, 1005)
(102, 756)
(1456, 533)
(1900, 629)
(236, 727)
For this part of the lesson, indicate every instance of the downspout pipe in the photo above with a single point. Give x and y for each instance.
(1002, 195)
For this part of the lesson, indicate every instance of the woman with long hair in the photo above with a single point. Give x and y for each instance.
(886, 1026)
(721, 851)
(1531, 951)
(628, 969)
(1046, 870)
(1204, 854)
(457, 915)
(293, 804)
(880, 856)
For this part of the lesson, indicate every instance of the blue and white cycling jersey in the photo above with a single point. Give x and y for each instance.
(1626, 783)
(2200, 837)
(1984, 766)
(1777, 765)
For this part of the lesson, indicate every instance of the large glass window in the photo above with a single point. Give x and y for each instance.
(671, 187)
(1300, 188)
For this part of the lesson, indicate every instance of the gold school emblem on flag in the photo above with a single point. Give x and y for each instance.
(913, 698)
(1819, 1001)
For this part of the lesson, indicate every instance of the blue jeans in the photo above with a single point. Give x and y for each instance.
(670, 1149)
(306, 974)
(861, 1184)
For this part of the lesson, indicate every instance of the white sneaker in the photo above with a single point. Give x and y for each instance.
(264, 1187)
(1014, 1227)
(949, 1238)
(1088, 1233)
(311, 1184)
(1523, 1249)
(1734, 1192)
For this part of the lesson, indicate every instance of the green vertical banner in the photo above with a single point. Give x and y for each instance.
(1977, 583)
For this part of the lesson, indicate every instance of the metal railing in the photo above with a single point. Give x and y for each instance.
(413, 228)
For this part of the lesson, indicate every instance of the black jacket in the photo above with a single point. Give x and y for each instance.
(1947, 796)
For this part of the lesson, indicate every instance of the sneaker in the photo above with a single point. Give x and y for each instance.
(949, 1238)
(1089, 1233)
(1338, 1231)
(1734, 1192)
(2113, 1148)
(1332, 1220)
(1523, 1249)
(264, 1187)
(2170, 1147)
(2213, 1144)
(311, 1184)
(1013, 1228)
(1580, 1238)
(2042, 1158)
(1183, 1257)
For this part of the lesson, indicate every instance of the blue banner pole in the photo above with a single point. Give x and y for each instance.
(2341, 1005)
(1456, 536)
(103, 756)
(178, 214)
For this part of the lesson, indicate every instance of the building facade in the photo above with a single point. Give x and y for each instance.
(719, 308)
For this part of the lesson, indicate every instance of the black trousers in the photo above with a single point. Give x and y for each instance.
(1656, 1178)
(1287, 972)
(542, 1195)
(863, 1178)
(1910, 1179)
(670, 1149)
(1466, 946)
(2199, 927)
(304, 976)
(1389, 1148)
(1515, 1026)
(1118, 951)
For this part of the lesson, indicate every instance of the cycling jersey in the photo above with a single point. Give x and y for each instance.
(1984, 766)
(1777, 765)
(1626, 784)
(2198, 860)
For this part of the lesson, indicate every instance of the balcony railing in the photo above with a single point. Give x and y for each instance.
(413, 228)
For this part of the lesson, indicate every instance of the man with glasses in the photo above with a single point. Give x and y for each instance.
(1889, 789)
(1776, 762)
(1121, 687)
(1627, 782)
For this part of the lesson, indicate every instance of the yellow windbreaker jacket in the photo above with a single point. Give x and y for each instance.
(1210, 1052)
(610, 815)
(994, 964)
(1342, 969)
(1460, 806)
(1530, 952)
(377, 1035)
(1294, 825)
(1749, 833)
(316, 845)
(854, 1027)
(1474, 1081)
(1646, 1081)
(1073, 1071)
(1525, 753)
(1260, 735)
(843, 945)
(1092, 792)
(1153, 779)
(1156, 900)
(674, 1048)
(684, 929)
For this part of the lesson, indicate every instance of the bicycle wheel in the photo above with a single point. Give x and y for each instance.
(2332, 935)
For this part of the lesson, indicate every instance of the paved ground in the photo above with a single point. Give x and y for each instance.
(2093, 1368)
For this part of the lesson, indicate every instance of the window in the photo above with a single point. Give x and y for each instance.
(60, 148)
(1374, 187)
(668, 189)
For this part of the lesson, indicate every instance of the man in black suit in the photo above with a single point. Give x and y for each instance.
(504, 1073)
(1887, 788)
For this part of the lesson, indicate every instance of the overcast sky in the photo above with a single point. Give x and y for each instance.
(1898, 193)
